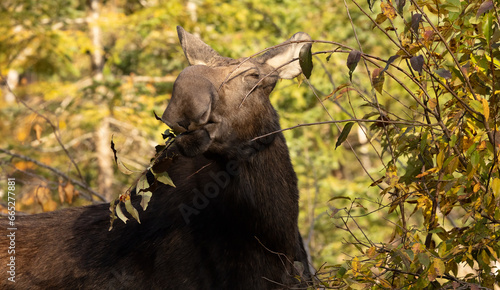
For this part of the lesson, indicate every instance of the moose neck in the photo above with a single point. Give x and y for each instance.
(262, 198)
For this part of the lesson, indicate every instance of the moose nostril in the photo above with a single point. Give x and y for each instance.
(184, 124)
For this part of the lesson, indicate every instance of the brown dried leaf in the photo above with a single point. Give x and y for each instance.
(485, 7)
(352, 60)
(378, 79)
(415, 21)
(417, 63)
(381, 18)
(342, 89)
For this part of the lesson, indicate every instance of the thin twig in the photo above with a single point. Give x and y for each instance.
(415, 124)
(54, 129)
(57, 172)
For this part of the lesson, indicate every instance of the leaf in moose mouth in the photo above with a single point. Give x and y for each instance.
(131, 209)
(120, 214)
(163, 177)
(142, 190)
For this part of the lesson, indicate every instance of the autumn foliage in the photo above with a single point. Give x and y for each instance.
(440, 151)
(394, 134)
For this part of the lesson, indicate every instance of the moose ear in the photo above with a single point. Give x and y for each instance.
(197, 52)
(283, 54)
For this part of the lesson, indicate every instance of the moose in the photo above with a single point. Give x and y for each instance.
(230, 222)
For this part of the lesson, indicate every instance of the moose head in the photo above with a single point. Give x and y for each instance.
(209, 104)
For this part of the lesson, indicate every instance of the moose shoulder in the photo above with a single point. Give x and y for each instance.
(231, 220)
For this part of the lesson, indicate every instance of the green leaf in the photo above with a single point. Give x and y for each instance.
(476, 105)
(131, 210)
(341, 272)
(455, 3)
(487, 23)
(344, 134)
(474, 158)
(453, 140)
(423, 258)
(164, 178)
(305, 60)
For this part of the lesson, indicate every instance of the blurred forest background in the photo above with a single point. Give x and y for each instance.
(74, 73)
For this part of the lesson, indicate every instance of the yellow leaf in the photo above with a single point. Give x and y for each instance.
(371, 252)
(388, 10)
(485, 257)
(60, 191)
(453, 165)
(391, 176)
(476, 188)
(45, 200)
(432, 103)
(384, 283)
(24, 165)
(486, 109)
(432, 170)
(495, 186)
(440, 159)
(355, 265)
(70, 192)
(22, 133)
(492, 252)
(440, 267)
(38, 131)
(414, 48)
(431, 274)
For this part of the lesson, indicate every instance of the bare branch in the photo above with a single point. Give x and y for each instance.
(58, 173)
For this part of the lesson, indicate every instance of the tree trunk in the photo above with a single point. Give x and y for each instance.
(103, 134)
(104, 159)
(10, 84)
(95, 32)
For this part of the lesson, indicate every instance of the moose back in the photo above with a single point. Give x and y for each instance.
(231, 220)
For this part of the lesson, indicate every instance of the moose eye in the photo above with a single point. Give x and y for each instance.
(251, 76)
